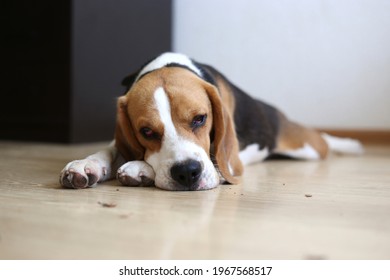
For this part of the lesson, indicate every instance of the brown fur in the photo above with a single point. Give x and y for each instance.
(293, 136)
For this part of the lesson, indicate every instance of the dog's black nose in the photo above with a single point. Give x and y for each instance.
(187, 173)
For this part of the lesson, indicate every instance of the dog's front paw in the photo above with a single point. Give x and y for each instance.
(135, 173)
(80, 174)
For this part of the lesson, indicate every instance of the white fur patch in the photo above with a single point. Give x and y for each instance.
(252, 154)
(176, 149)
(306, 152)
(164, 110)
(168, 58)
(343, 145)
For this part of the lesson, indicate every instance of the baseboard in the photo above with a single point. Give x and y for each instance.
(365, 136)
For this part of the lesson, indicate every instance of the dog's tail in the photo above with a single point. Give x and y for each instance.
(343, 145)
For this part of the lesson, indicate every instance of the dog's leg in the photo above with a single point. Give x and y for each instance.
(136, 173)
(95, 168)
(299, 142)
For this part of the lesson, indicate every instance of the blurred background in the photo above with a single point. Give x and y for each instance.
(324, 63)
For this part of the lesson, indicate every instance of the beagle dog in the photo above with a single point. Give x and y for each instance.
(182, 125)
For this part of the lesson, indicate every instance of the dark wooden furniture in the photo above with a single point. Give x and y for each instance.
(63, 62)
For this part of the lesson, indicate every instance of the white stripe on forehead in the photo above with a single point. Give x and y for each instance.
(168, 58)
(164, 110)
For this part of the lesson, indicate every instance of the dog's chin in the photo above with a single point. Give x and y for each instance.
(202, 185)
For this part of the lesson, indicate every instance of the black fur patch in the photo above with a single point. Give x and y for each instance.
(255, 121)
(128, 81)
(205, 74)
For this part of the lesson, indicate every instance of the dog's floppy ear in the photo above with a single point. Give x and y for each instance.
(125, 139)
(226, 146)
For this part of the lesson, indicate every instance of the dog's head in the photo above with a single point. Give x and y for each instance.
(176, 122)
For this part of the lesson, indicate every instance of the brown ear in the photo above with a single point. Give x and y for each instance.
(226, 147)
(125, 139)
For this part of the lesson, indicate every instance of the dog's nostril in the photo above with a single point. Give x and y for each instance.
(186, 173)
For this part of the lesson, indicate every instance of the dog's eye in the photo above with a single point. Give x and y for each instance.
(148, 133)
(198, 121)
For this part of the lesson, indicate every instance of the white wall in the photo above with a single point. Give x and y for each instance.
(324, 63)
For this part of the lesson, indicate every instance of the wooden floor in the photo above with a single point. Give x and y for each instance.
(334, 209)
